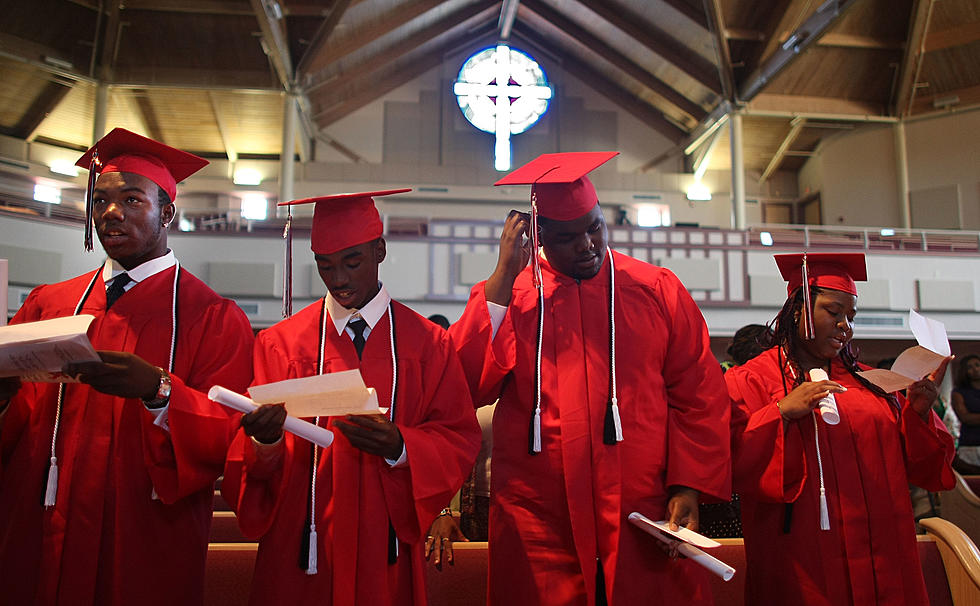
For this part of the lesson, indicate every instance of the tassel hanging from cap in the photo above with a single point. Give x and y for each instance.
(287, 271)
(809, 332)
(93, 170)
(51, 489)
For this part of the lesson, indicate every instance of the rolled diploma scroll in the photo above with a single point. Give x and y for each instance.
(689, 551)
(304, 429)
(828, 405)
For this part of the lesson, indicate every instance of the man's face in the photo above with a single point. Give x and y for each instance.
(351, 275)
(128, 218)
(576, 247)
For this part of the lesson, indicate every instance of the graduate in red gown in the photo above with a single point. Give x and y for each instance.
(377, 488)
(825, 507)
(123, 514)
(632, 410)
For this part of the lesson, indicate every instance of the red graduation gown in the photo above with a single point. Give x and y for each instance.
(552, 514)
(356, 493)
(869, 554)
(107, 541)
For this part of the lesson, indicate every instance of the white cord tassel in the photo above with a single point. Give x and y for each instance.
(51, 490)
(824, 516)
(536, 447)
(311, 562)
(616, 422)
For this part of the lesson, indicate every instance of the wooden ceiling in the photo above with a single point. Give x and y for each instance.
(209, 75)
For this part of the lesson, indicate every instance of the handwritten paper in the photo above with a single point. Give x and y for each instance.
(916, 362)
(36, 351)
(329, 395)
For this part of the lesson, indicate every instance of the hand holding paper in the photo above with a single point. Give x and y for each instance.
(917, 362)
(329, 395)
(307, 431)
(687, 541)
(37, 351)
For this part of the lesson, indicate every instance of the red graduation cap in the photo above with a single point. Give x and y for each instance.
(123, 151)
(344, 220)
(126, 152)
(836, 271)
(559, 183)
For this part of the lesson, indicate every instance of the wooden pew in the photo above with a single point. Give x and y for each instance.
(961, 506)
(228, 574)
(224, 528)
(950, 565)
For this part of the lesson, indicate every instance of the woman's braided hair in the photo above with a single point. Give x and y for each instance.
(784, 333)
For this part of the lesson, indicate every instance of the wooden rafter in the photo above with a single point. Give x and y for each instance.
(796, 126)
(148, 114)
(323, 33)
(223, 129)
(781, 17)
(688, 11)
(816, 25)
(473, 15)
(198, 7)
(658, 41)
(322, 57)
(955, 36)
(274, 43)
(50, 96)
(912, 61)
(650, 115)
(716, 25)
(365, 87)
(567, 28)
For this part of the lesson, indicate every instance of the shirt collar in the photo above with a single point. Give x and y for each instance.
(371, 312)
(141, 272)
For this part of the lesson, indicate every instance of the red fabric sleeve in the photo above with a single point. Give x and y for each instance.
(486, 359)
(189, 456)
(767, 453)
(441, 448)
(929, 450)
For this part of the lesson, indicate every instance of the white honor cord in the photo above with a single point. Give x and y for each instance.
(51, 486)
(312, 556)
(824, 517)
(536, 445)
(612, 347)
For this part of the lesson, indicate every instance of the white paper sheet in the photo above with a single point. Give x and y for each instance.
(916, 362)
(330, 395)
(36, 351)
(659, 531)
(304, 429)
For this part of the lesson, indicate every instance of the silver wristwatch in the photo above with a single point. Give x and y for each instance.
(162, 396)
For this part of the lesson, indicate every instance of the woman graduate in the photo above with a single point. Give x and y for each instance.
(825, 507)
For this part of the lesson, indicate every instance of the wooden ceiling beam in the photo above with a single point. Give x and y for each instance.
(839, 40)
(955, 36)
(816, 108)
(223, 130)
(274, 42)
(796, 126)
(781, 17)
(689, 11)
(748, 35)
(350, 95)
(646, 113)
(471, 16)
(322, 57)
(147, 114)
(658, 41)
(323, 33)
(50, 96)
(197, 7)
(565, 27)
(716, 25)
(908, 72)
(814, 28)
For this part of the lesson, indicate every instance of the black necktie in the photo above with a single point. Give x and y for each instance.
(116, 289)
(357, 326)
